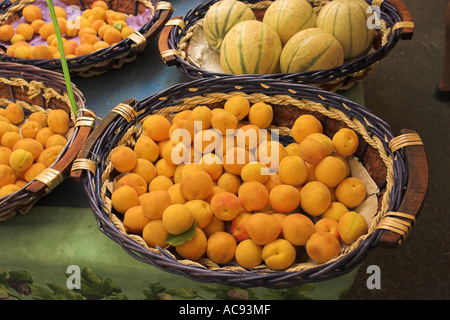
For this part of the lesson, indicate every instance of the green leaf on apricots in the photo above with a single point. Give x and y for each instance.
(177, 239)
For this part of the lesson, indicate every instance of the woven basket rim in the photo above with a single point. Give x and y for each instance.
(110, 225)
(38, 82)
(121, 51)
(331, 76)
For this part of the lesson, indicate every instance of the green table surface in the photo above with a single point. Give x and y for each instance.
(38, 249)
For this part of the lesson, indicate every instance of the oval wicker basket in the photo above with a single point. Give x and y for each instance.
(397, 164)
(396, 23)
(100, 61)
(41, 90)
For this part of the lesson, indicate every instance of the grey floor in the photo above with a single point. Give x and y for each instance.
(400, 92)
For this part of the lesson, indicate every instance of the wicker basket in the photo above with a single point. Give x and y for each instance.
(396, 23)
(397, 164)
(101, 60)
(41, 90)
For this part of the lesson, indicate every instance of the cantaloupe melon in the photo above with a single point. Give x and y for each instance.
(311, 49)
(221, 17)
(347, 21)
(250, 47)
(287, 17)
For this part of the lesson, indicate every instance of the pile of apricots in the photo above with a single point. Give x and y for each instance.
(222, 177)
(29, 145)
(96, 28)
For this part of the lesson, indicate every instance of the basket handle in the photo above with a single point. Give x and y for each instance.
(53, 175)
(407, 23)
(414, 196)
(82, 162)
(166, 13)
(168, 54)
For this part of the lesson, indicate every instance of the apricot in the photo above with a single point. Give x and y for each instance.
(226, 143)
(7, 175)
(55, 140)
(328, 225)
(189, 167)
(261, 115)
(146, 148)
(17, 38)
(84, 49)
(195, 248)
(60, 12)
(20, 160)
(31, 13)
(39, 117)
(351, 192)
(126, 32)
(335, 211)
(133, 180)
(304, 126)
(201, 116)
(331, 171)
(37, 24)
(297, 228)
(4, 128)
(235, 159)
(49, 155)
(43, 134)
(315, 198)
(5, 153)
(325, 140)
(58, 120)
(156, 127)
(98, 13)
(225, 206)
(101, 4)
(279, 254)
(216, 189)
(255, 171)
(196, 185)
(164, 168)
(88, 38)
(30, 145)
(263, 228)
(33, 171)
(30, 129)
(351, 226)
(9, 139)
(215, 225)
(248, 254)
(284, 198)
(26, 30)
(293, 171)
(14, 113)
(346, 142)
(71, 28)
(322, 246)
(154, 234)
(271, 153)
(160, 183)
(212, 165)
(221, 247)
(101, 45)
(124, 198)
(248, 136)
(202, 212)
(253, 195)
(237, 105)
(182, 131)
(8, 189)
(101, 31)
(312, 151)
(112, 36)
(145, 169)
(175, 194)
(134, 220)
(237, 227)
(123, 158)
(183, 115)
(21, 183)
(206, 141)
(177, 218)
(6, 32)
(46, 30)
(274, 180)
(293, 149)
(154, 203)
(23, 52)
(229, 182)
(225, 122)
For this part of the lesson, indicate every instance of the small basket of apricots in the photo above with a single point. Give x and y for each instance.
(245, 182)
(96, 35)
(40, 134)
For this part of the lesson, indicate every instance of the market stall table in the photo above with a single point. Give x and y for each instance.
(42, 251)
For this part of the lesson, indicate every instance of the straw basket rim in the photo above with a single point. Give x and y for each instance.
(333, 79)
(101, 61)
(121, 130)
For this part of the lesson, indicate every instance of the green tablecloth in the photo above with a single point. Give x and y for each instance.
(38, 250)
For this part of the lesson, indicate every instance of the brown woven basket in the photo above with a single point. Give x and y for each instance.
(396, 23)
(100, 61)
(42, 90)
(397, 165)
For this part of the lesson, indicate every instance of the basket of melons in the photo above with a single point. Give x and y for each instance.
(97, 35)
(42, 131)
(331, 44)
(250, 182)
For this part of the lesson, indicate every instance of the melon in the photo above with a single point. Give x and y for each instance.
(250, 47)
(347, 21)
(311, 49)
(221, 17)
(287, 17)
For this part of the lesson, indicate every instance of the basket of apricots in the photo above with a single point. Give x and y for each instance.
(41, 134)
(96, 35)
(250, 182)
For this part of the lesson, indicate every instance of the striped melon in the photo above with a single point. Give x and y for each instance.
(311, 49)
(347, 21)
(287, 17)
(250, 47)
(221, 17)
